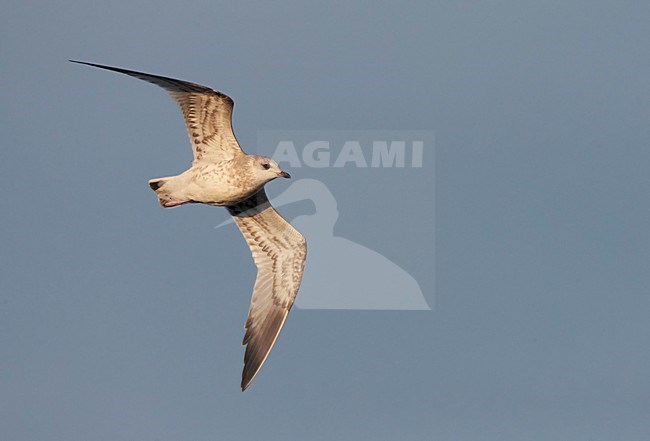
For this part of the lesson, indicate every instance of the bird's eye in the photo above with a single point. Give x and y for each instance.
(266, 166)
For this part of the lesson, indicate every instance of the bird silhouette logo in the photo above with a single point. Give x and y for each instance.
(343, 274)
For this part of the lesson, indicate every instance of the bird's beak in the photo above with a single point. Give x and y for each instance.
(284, 175)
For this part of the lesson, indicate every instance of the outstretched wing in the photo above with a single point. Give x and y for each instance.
(207, 114)
(279, 252)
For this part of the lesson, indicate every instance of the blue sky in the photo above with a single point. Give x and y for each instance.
(120, 320)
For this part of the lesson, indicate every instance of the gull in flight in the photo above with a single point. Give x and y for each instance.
(223, 175)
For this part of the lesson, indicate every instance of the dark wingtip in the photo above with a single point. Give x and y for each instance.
(101, 66)
(246, 379)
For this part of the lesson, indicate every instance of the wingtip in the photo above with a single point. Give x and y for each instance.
(244, 385)
(85, 63)
(247, 377)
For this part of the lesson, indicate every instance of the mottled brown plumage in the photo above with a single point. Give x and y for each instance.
(223, 175)
(279, 252)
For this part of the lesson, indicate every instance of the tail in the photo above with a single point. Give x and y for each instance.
(155, 184)
(165, 196)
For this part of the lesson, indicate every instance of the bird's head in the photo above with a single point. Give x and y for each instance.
(266, 169)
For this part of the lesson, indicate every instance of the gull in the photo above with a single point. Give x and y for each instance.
(223, 175)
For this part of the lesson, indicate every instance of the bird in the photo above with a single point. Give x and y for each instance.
(223, 175)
